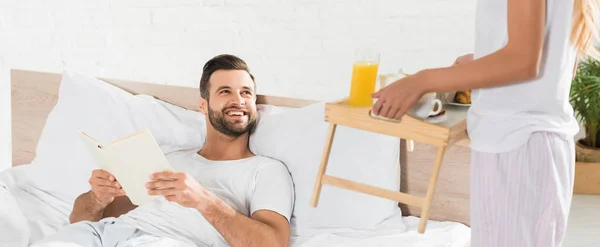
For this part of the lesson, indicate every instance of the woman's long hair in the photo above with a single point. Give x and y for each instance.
(584, 32)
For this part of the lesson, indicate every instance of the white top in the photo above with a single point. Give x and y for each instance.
(502, 119)
(247, 185)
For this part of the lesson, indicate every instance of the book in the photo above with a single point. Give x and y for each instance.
(131, 160)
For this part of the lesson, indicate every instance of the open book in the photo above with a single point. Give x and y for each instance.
(131, 160)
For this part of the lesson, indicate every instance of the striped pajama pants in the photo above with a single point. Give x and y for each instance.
(522, 198)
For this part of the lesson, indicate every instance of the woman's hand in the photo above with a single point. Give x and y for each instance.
(463, 59)
(394, 100)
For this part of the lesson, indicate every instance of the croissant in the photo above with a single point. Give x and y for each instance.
(463, 97)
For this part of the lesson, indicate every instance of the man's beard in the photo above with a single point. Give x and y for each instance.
(218, 121)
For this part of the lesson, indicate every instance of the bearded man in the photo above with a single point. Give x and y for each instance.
(221, 195)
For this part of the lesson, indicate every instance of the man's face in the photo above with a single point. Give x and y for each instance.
(231, 106)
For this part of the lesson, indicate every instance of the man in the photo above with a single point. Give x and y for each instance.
(221, 195)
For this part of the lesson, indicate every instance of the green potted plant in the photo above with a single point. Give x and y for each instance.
(585, 99)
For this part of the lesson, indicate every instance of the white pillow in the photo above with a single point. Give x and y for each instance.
(106, 113)
(174, 127)
(297, 138)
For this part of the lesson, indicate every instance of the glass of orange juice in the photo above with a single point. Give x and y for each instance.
(364, 78)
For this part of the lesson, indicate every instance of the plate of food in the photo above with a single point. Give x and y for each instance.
(461, 98)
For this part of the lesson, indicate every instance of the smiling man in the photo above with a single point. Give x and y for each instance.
(220, 195)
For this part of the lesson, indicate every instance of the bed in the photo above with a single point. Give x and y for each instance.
(35, 212)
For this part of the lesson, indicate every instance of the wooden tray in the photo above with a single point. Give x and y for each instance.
(441, 135)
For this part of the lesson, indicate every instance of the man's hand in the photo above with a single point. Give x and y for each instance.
(463, 59)
(105, 187)
(91, 205)
(265, 228)
(181, 188)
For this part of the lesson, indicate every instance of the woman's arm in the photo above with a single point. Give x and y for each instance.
(518, 61)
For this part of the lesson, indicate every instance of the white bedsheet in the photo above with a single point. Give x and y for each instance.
(438, 234)
(28, 214)
(43, 213)
(14, 230)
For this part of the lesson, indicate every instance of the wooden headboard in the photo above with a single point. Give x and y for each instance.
(34, 94)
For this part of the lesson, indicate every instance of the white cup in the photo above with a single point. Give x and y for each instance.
(427, 106)
(387, 79)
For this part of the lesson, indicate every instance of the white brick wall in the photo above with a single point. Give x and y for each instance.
(295, 48)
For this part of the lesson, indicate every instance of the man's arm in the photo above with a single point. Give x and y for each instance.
(265, 228)
(121, 205)
(86, 207)
(105, 199)
(271, 203)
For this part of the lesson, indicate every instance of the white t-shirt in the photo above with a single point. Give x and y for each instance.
(502, 119)
(247, 185)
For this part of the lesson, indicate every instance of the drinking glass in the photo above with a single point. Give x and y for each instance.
(364, 77)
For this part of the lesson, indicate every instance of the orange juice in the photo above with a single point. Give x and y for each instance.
(364, 77)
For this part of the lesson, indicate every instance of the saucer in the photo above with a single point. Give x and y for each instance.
(458, 104)
(438, 119)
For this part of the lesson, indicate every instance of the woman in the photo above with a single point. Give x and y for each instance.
(521, 124)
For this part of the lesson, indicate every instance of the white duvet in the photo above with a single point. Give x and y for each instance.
(14, 230)
(27, 214)
(438, 234)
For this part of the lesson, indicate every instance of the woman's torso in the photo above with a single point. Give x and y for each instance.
(502, 118)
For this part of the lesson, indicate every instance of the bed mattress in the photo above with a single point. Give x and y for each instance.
(28, 214)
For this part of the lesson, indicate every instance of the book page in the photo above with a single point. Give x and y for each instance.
(132, 161)
(96, 150)
(131, 135)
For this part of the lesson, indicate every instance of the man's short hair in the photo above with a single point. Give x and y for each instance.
(220, 62)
